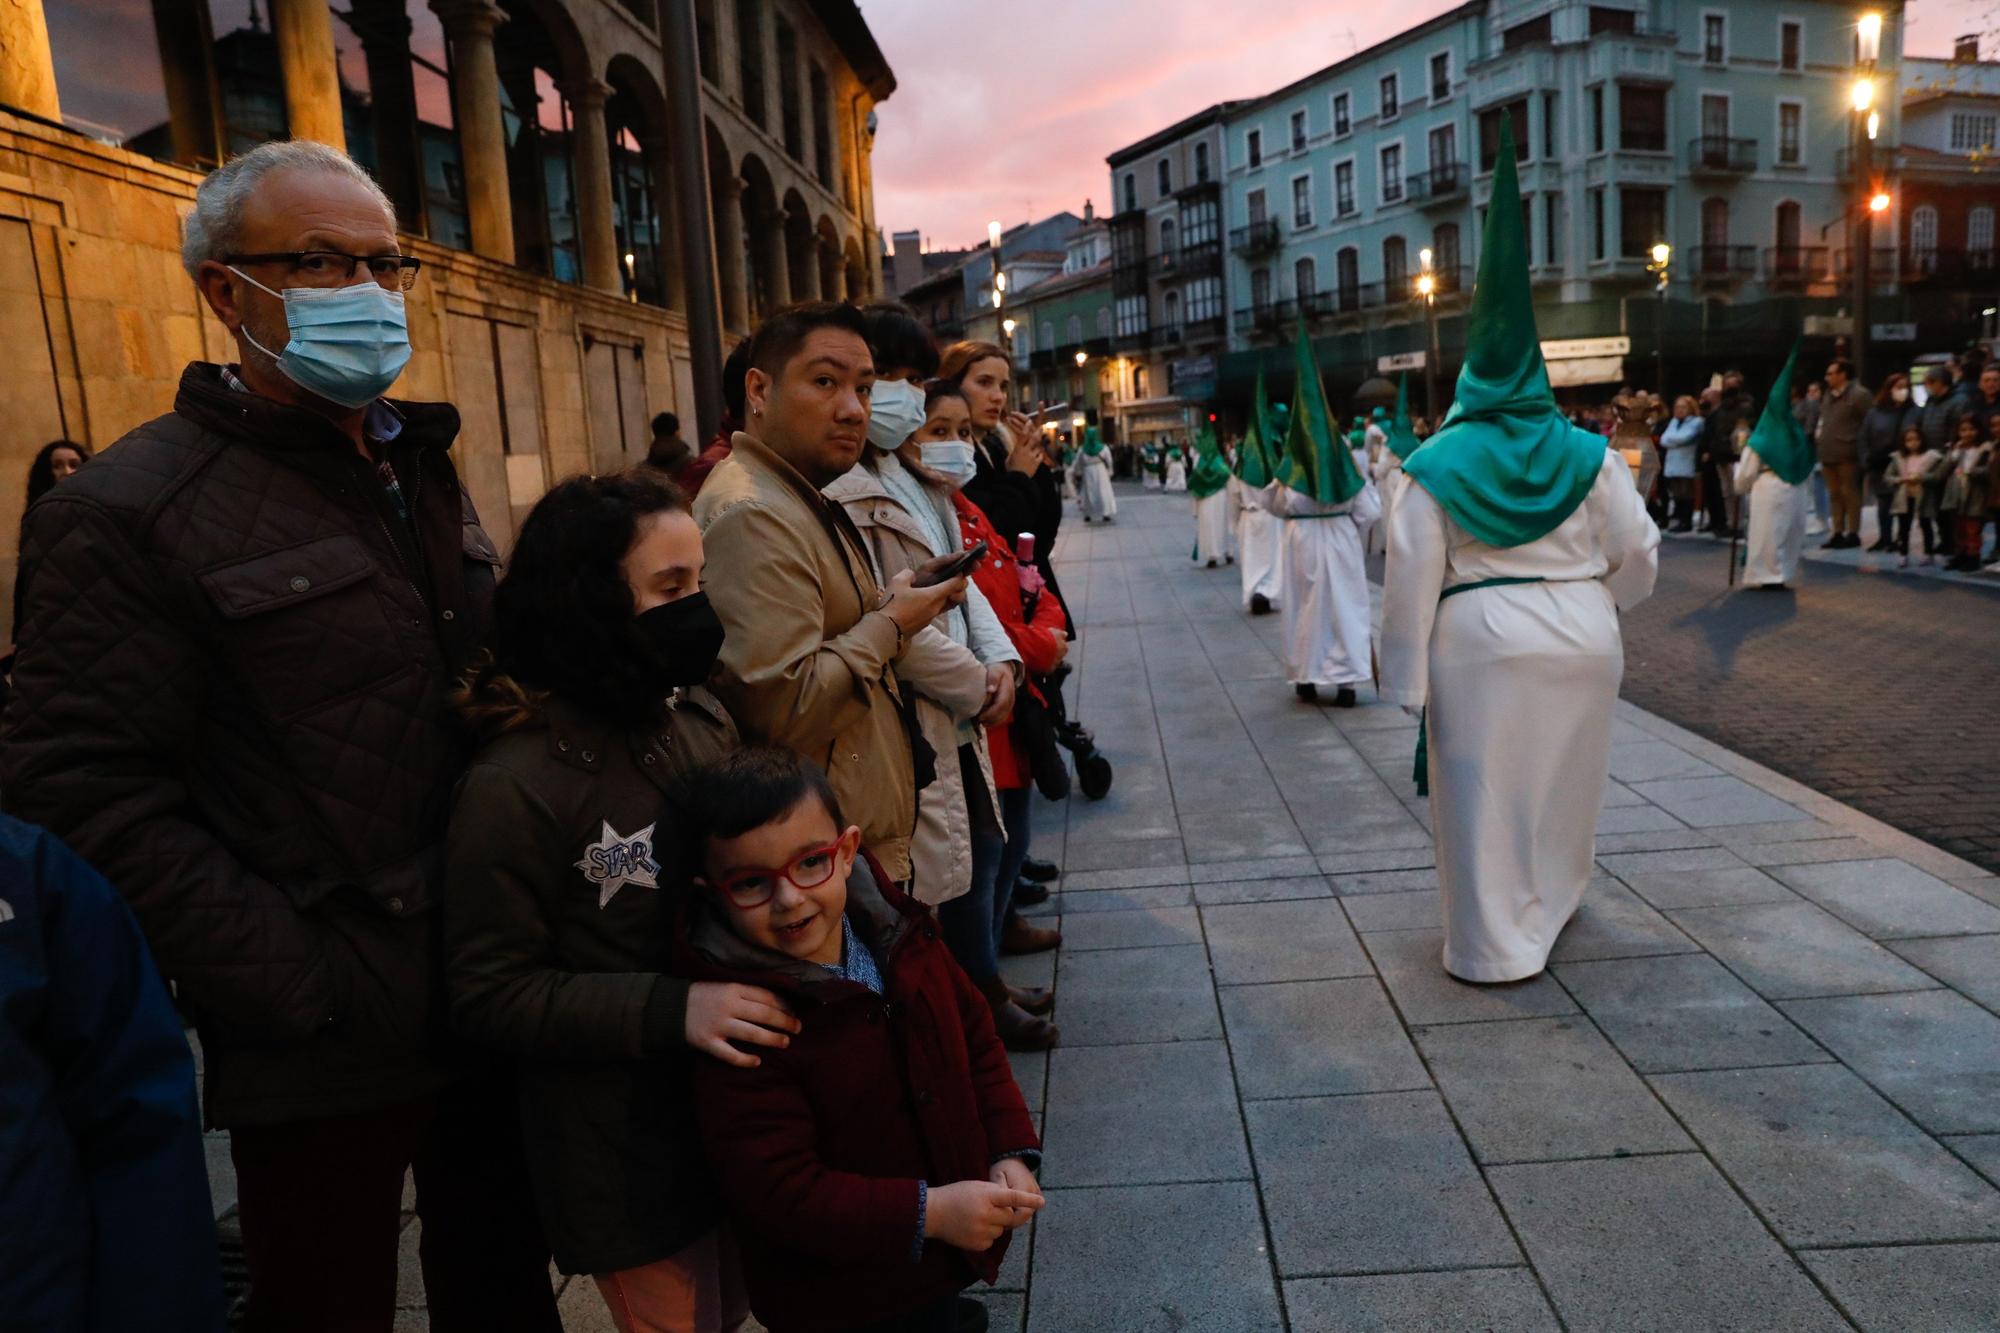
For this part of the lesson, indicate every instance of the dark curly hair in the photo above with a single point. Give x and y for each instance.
(563, 613)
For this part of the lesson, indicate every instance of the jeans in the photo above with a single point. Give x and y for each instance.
(1681, 491)
(1015, 805)
(321, 1202)
(968, 920)
(1902, 542)
(1820, 503)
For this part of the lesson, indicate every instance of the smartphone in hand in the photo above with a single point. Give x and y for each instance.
(945, 569)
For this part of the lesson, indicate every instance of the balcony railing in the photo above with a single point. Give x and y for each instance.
(1129, 273)
(1930, 264)
(1133, 340)
(1259, 238)
(1167, 335)
(1264, 318)
(1201, 260)
(1792, 266)
(1443, 183)
(1711, 264)
(1881, 262)
(1719, 155)
(1209, 326)
(1882, 160)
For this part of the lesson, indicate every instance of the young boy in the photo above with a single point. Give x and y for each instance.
(875, 1164)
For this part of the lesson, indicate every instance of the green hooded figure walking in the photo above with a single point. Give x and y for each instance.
(1208, 483)
(1257, 533)
(1325, 509)
(1091, 474)
(1512, 546)
(1777, 460)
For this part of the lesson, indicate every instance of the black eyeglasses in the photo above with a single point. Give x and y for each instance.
(332, 268)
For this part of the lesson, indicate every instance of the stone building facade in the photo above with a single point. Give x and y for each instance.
(529, 147)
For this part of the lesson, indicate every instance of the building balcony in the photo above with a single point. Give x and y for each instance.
(1130, 274)
(1883, 160)
(1639, 56)
(1200, 260)
(1261, 237)
(1719, 155)
(1167, 336)
(1135, 340)
(1266, 318)
(1315, 306)
(1791, 267)
(1042, 358)
(1205, 329)
(1198, 191)
(1446, 183)
(1926, 266)
(1712, 266)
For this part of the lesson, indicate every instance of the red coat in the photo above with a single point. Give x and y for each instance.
(818, 1150)
(1039, 641)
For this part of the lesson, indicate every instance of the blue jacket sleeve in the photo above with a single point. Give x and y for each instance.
(124, 1081)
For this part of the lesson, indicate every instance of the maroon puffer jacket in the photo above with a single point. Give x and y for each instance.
(819, 1149)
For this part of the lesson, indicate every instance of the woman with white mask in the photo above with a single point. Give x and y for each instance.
(919, 455)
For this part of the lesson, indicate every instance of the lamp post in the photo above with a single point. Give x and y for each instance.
(1427, 288)
(1868, 122)
(1007, 327)
(1662, 261)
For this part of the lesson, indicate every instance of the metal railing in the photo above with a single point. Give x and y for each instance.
(1259, 237)
(1722, 263)
(1795, 265)
(1719, 155)
(1442, 183)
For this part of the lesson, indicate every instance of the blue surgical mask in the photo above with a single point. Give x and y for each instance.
(348, 344)
(954, 460)
(895, 410)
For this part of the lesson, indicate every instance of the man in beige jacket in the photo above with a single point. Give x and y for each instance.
(810, 641)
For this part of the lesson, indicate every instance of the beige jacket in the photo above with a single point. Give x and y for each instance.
(950, 688)
(808, 662)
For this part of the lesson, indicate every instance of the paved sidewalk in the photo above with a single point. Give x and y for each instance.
(1757, 1089)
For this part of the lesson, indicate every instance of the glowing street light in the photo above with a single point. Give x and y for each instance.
(993, 234)
(1864, 94)
(1426, 285)
(1660, 268)
(1008, 325)
(1879, 202)
(1868, 37)
(1081, 357)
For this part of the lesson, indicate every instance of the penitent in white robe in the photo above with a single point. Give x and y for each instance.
(1257, 538)
(1176, 475)
(1327, 635)
(1777, 532)
(1094, 495)
(1211, 529)
(1520, 683)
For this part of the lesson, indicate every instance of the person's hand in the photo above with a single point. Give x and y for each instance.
(1024, 447)
(912, 607)
(719, 1012)
(972, 1214)
(1013, 1173)
(999, 695)
(1062, 648)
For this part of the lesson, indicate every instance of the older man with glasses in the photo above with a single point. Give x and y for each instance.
(241, 624)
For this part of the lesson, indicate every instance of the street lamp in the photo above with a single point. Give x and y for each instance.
(1081, 357)
(1868, 124)
(1076, 422)
(1427, 288)
(1663, 256)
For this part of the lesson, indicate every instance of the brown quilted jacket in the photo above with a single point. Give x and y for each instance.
(230, 698)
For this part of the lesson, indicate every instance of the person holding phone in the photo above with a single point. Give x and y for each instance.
(899, 497)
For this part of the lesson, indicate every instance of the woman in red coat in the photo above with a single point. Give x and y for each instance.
(1040, 636)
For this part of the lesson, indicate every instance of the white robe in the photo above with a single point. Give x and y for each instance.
(1520, 683)
(1777, 533)
(1093, 486)
(1257, 536)
(1176, 475)
(1326, 632)
(1211, 529)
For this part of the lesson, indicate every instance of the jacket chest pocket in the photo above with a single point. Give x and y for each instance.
(306, 626)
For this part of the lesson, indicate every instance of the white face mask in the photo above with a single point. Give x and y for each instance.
(895, 410)
(953, 460)
(1900, 395)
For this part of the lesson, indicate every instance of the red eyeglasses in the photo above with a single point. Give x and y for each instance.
(748, 888)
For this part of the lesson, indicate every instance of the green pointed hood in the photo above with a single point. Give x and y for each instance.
(1253, 462)
(1321, 469)
(1506, 464)
(1778, 439)
(1403, 440)
(1209, 473)
(1093, 443)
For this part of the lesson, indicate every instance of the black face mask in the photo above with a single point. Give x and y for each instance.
(681, 638)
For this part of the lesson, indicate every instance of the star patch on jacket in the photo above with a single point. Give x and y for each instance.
(614, 861)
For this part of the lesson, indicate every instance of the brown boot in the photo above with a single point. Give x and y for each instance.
(1033, 999)
(1018, 937)
(1018, 1029)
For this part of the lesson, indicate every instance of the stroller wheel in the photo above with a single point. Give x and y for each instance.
(1093, 775)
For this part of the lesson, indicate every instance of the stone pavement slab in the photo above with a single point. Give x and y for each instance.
(1420, 910)
(1684, 1012)
(1111, 1119)
(1968, 963)
(1613, 922)
(1478, 1300)
(1655, 1243)
(1827, 1160)
(1372, 1184)
(1282, 941)
(1262, 890)
(1935, 1053)
(1891, 899)
(1149, 927)
(1203, 1263)
(1914, 1288)
(1133, 995)
(1730, 886)
(1543, 1090)
(1791, 950)
(1317, 1039)
(1411, 963)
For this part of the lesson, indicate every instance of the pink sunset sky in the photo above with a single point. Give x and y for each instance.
(1007, 109)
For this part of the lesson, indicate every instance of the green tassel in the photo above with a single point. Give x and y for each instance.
(1422, 772)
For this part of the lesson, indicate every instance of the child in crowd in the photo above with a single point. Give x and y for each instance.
(1912, 499)
(1964, 500)
(875, 1164)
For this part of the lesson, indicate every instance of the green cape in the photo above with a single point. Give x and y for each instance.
(1253, 458)
(1093, 443)
(1505, 464)
(1778, 439)
(1403, 440)
(1209, 473)
(1321, 468)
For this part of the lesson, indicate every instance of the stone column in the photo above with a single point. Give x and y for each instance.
(656, 151)
(304, 33)
(182, 33)
(590, 166)
(384, 29)
(730, 277)
(27, 64)
(832, 273)
(774, 261)
(482, 139)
